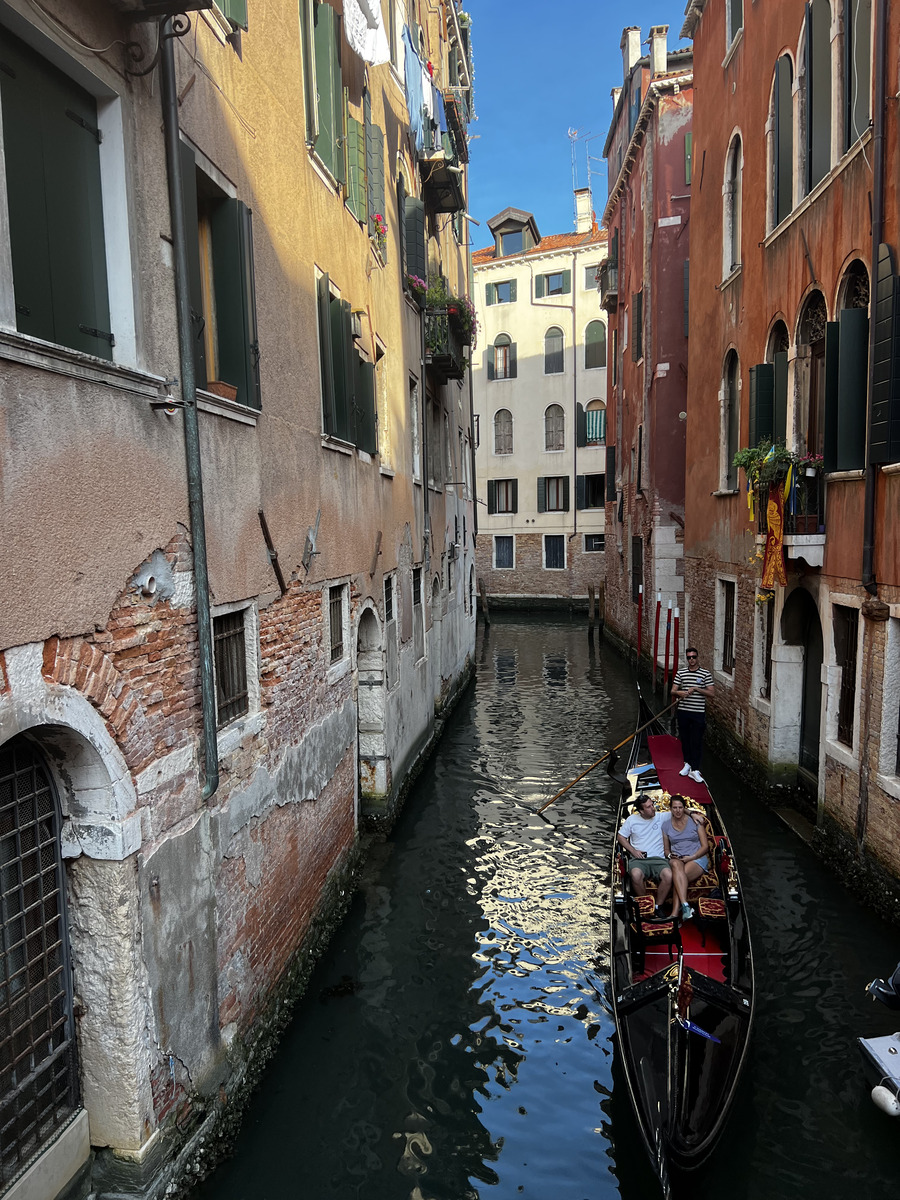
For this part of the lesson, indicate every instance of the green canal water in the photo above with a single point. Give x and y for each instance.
(456, 1042)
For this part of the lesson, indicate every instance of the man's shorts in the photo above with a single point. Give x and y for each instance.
(652, 868)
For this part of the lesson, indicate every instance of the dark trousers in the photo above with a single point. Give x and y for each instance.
(691, 727)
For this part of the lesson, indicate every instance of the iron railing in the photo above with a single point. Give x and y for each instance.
(443, 345)
(808, 514)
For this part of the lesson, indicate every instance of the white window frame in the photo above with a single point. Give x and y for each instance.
(848, 756)
(496, 538)
(340, 667)
(594, 269)
(502, 283)
(229, 736)
(512, 433)
(595, 549)
(888, 777)
(718, 674)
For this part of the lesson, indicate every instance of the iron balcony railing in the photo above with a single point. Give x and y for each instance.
(609, 285)
(807, 503)
(443, 345)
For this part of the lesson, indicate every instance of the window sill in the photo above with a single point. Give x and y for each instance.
(47, 356)
(726, 492)
(330, 443)
(820, 188)
(218, 23)
(887, 469)
(724, 678)
(322, 171)
(338, 670)
(889, 784)
(730, 278)
(232, 735)
(736, 42)
(841, 754)
(844, 476)
(388, 472)
(761, 705)
(229, 409)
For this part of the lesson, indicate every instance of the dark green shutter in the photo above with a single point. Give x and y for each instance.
(884, 443)
(489, 363)
(489, 293)
(514, 498)
(345, 370)
(541, 494)
(416, 252)
(538, 287)
(329, 89)
(637, 315)
(579, 491)
(327, 361)
(364, 407)
(565, 493)
(307, 54)
(580, 426)
(784, 139)
(853, 376)
(610, 472)
(762, 407)
(513, 290)
(512, 361)
(491, 496)
(832, 351)
(192, 240)
(566, 282)
(233, 283)
(356, 168)
(236, 12)
(780, 396)
(401, 228)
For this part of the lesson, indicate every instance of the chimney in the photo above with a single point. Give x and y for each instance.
(584, 217)
(659, 52)
(616, 93)
(631, 47)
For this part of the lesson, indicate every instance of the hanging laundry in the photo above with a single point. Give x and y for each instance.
(365, 31)
(415, 97)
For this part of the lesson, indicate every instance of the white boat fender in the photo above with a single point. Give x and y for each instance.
(886, 1100)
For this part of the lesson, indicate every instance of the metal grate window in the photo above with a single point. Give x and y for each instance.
(38, 1062)
(769, 618)
(846, 627)
(388, 598)
(336, 622)
(728, 591)
(418, 616)
(637, 567)
(232, 698)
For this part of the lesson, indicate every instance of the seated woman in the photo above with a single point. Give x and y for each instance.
(687, 849)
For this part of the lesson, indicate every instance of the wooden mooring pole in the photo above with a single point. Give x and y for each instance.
(482, 595)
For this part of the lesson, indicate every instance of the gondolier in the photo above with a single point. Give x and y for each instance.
(691, 687)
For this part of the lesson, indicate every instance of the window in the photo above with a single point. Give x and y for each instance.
(637, 341)
(391, 657)
(637, 567)
(504, 552)
(783, 142)
(512, 242)
(230, 654)
(502, 496)
(857, 68)
(554, 351)
(388, 598)
(767, 617)
(336, 623)
(502, 358)
(595, 423)
(817, 92)
(592, 277)
(594, 543)
(590, 491)
(503, 431)
(731, 210)
(554, 428)
(731, 421)
(418, 614)
(348, 380)
(727, 596)
(846, 629)
(502, 292)
(595, 345)
(554, 552)
(553, 493)
(414, 428)
(556, 283)
(735, 15)
(321, 47)
(51, 144)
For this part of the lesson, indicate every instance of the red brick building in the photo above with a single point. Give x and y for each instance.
(642, 287)
(793, 342)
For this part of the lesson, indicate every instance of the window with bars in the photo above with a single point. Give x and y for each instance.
(729, 589)
(336, 622)
(637, 567)
(768, 635)
(594, 543)
(388, 598)
(39, 1088)
(230, 652)
(846, 628)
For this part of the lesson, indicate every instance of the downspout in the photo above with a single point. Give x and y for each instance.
(426, 510)
(869, 581)
(189, 398)
(574, 533)
(474, 477)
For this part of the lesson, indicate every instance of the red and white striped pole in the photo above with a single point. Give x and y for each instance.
(675, 645)
(656, 637)
(666, 659)
(640, 619)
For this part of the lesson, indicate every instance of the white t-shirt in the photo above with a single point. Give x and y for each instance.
(645, 835)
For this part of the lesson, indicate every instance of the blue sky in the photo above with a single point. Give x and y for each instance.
(540, 70)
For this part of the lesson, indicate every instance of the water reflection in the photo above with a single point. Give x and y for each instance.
(456, 1042)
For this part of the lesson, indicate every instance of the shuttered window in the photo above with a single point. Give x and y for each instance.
(235, 11)
(595, 345)
(554, 351)
(556, 283)
(884, 446)
(554, 552)
(846, 389)
(374, 168)
(416, 251)
(501, 358)
(846, 636)
(328, 91)
(637, 333)
(503, 431)
(784, 139)
(553, 493)
(356, 169)
(554, 428)
(51, 144)
(504, 552)
(502, 496)
(348, 380)
(762, 406)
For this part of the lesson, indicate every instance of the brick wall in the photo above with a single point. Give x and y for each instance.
(529, 577)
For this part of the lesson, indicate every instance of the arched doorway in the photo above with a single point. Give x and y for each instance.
(374, 769)
(39, 1086)
(801, 626)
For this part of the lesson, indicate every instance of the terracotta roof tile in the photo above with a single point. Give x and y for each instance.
(551, 241)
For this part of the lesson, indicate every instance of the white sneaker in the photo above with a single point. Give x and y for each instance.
(696, 776)
(685, 770)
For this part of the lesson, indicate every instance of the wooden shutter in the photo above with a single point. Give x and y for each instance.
(345, 370)
(512, 361)
(780, 396)
(356, 168)
(192, 240)
(610, 472)
(325, 356)
(637, 316)
(491, 496)
(762, 394)
(490, 292)
(513, 289)
(614, 249)
(639, 483)
(233, 284)
(832, 351)
(364, 407)
(514, 495)
(541, 494)
(579, 491)
(329, 107)
(566, 282)
(307, 54)
(375, 173)
(489, 363)
(580, 426)
(538, 287)
(236, 12)
(565, 493)
(784, 138)
(853, 376)
(884, 436)
(416, 252)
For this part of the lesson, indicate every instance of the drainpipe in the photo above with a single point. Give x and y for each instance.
(426, 509)
(472, 448)
(189, 398)
(869, 581)
(574, 533)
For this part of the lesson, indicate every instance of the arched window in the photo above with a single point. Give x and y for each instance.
(503, 431)
(731, 209)
(857, 68)
(783, 146)
(554, 351)
(596, 423)
(554, 428)
(731, 419)
(595, 345)
(817, 92)
(502, 360)
(811, 332)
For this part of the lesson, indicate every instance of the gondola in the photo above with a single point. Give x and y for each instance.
(682, 991)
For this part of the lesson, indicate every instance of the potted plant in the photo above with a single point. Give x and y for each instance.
(811, 464)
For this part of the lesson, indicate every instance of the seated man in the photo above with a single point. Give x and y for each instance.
(641, 836)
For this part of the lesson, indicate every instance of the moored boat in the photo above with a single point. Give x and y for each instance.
(682, 991)
(881, 1055)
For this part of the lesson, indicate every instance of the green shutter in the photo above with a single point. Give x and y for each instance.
(309, 69)
(637, 316)
(325, 355)
(356, 168)
(489, 293)
(192, 240)
(538, 287)
(344, 357)
(853, 387)
(329, 89)
(233, 283)
(235, 11)
(364, 407)
(832, 351)
(780, 396)
(514, 498)
(489, 363)
(566, 282)
(610, 472)
(541, 494)
(416, 252)
(491, 496)
(513, 289)
(884, 444)
(579, 490)
(565, 493)
(580, 426)
(401, 228)
(513, 369)
(762, 416)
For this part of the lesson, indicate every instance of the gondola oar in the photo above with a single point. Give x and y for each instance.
(607, 755)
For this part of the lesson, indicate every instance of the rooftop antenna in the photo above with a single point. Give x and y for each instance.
(576, 136)
(592, 158)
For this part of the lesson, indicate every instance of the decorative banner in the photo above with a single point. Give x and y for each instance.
(773, 564)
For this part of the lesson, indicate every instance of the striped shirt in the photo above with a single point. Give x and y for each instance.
(689, 677)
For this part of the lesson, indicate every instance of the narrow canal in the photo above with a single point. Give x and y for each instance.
(456, 1042)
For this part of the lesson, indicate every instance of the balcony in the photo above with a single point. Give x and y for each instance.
(443, 345)
(442, 178)
(804, 527)
(609, 285)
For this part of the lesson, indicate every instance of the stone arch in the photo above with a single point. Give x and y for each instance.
(374, 767)
(853, 289)
(809, 388)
